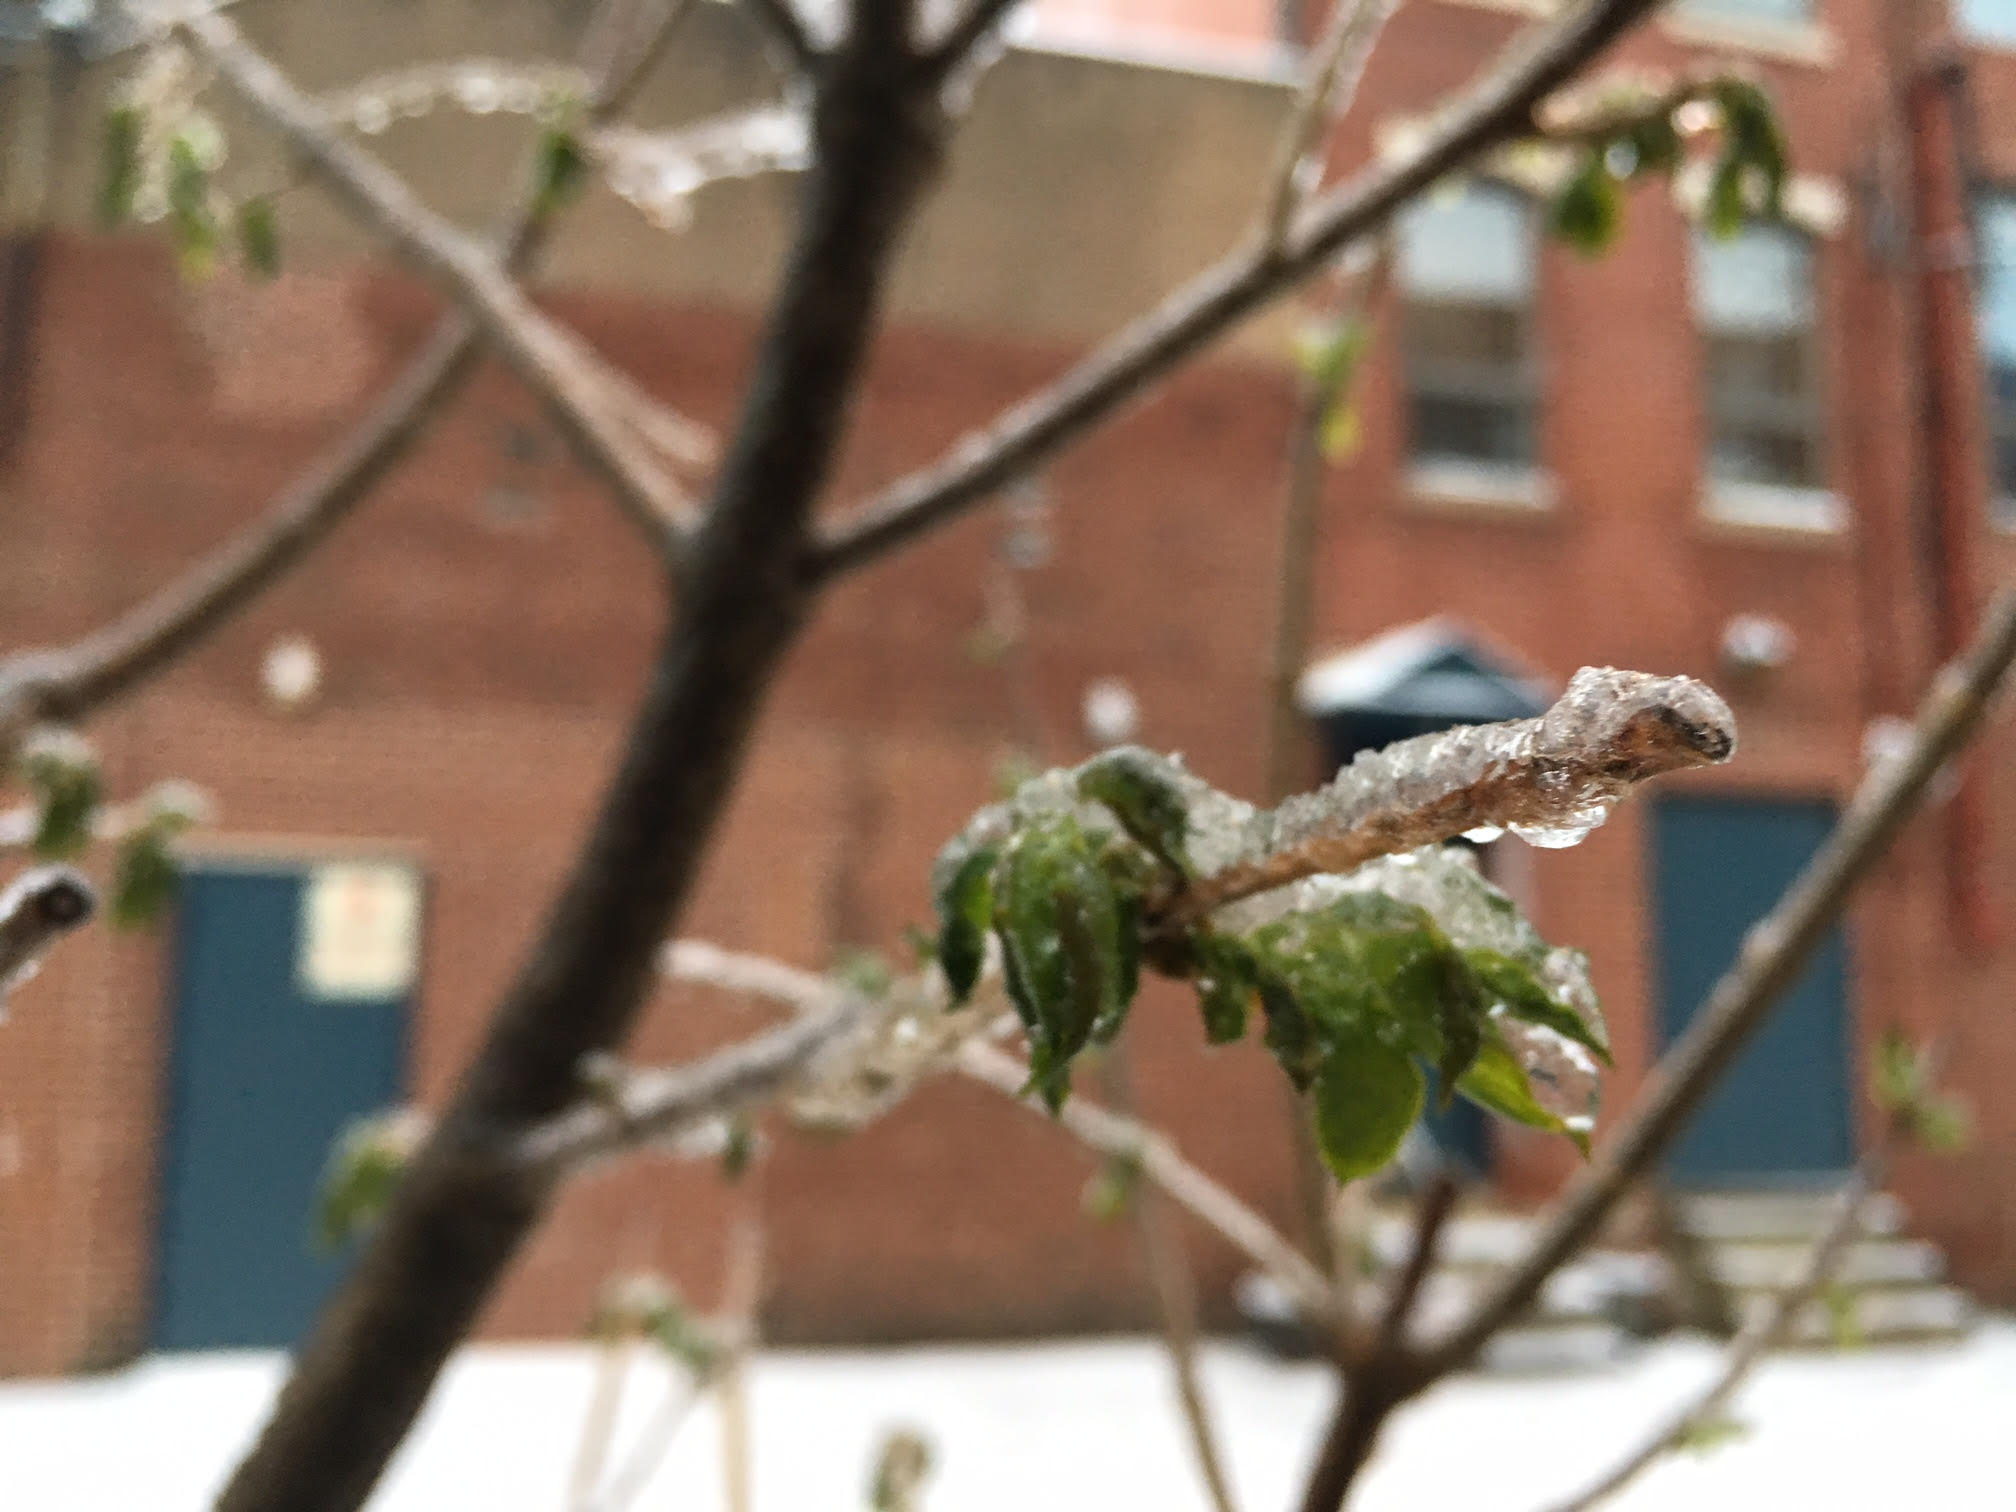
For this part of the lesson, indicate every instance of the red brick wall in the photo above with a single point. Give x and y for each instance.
(477, 675)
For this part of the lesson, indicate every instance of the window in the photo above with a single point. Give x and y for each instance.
(1988, 20)
(1996, 227)
(1466, 275)
(1753, 299)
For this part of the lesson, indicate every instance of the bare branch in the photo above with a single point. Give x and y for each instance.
(1773, 953)
(1335, 66)
(780, 20)
(966, 34)
(651, 1105)
(37, 909)
(73, 682)
(586, 403)
(1764, 1333)
(1432, 1212)
(1158, 1160)
(1551, 778)
(1495, 109)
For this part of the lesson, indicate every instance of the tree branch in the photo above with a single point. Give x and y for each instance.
(69, 684)
(461, 1212)
(1773, 953)
(966, 34)
(588, 405)
(1555, 774)
(647, 1106)
(1763, 1334)
(37, 909)
(1335, 66)
(1496, 108)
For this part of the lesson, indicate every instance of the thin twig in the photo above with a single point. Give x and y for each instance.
(73, 682)
(1175, 1288)
(587, 404)
(741, 1300)
(654, 1442)
(647, 1106)
(967, 33)
(37, 909)
(1158, 1161)
(1773, 953)
(613, 1358)
(1495, 109)
(1336, 64)
(1432, 1212)
(1761, 1335)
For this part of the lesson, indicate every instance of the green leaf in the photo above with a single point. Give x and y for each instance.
(1655, 140)
(259, 237)
(61, 771)
(1944, 1125)
(1289, 1036)
(738, 1151)
(190, 217)
(561, 171)
(119, 164)
(144, 882)
(1896, 1073)
(1340, 433)
(364, 1168)
(1514, 983)
(1725, 212)
(1497, 1082)
(1328, 352)
(1704, 1435)
(1367, 1096)
(1752, 141)
(1060, 922)
(1589, 209)
(1148, 805)
(1226, 982)
(964, 899)
(1112, 1187)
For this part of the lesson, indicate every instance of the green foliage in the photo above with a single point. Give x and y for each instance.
(259, 237)
(1749, 174)
(61, 771)
(1149, 807)
(145, 875)
(1705, 1435)
(119, 164)
(1589, 210)
(363, 1170)
(1902, 1084)
(738, 1149)
(561, 170)
(647, 1306)
(1112, 1187)
(964, 899)
(867, 972)
(1844, 1316)
(1065, 952)
(191, 218)
(1367, 1096)
(1328, 355)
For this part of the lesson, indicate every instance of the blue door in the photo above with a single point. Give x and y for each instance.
(1781, 1114)
(272, 1054)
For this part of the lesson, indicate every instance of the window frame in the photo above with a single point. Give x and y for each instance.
(1452, 478)
(1809, 507)
(1996, 423)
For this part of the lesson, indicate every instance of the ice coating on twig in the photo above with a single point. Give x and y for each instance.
(480, 86)
(1549, 780)
(660, 171)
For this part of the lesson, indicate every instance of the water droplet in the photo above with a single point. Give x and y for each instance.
(1484, 834)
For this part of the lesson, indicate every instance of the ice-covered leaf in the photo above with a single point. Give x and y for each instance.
(61, 770)
(1227, 981)
(1367, 1096)
(963, 894)
(1141, 796)
(1496, 1083)
(1590, 207)
(259, 237)
(363, 1170)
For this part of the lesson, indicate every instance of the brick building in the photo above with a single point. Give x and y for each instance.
(1682, 457)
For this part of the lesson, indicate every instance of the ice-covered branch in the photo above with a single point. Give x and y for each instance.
(1549, 780)
(1336, 64)
(1495, 109)
(37, 909)
(1765, 1332)
(70, 683)
(659, 172)
(1773, 953)
(588, 405)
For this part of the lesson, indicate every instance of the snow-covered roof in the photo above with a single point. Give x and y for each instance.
(1433, 667)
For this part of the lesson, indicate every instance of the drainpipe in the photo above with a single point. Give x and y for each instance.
(1956, 444)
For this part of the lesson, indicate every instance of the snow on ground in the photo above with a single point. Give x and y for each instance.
(1072, 1425)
